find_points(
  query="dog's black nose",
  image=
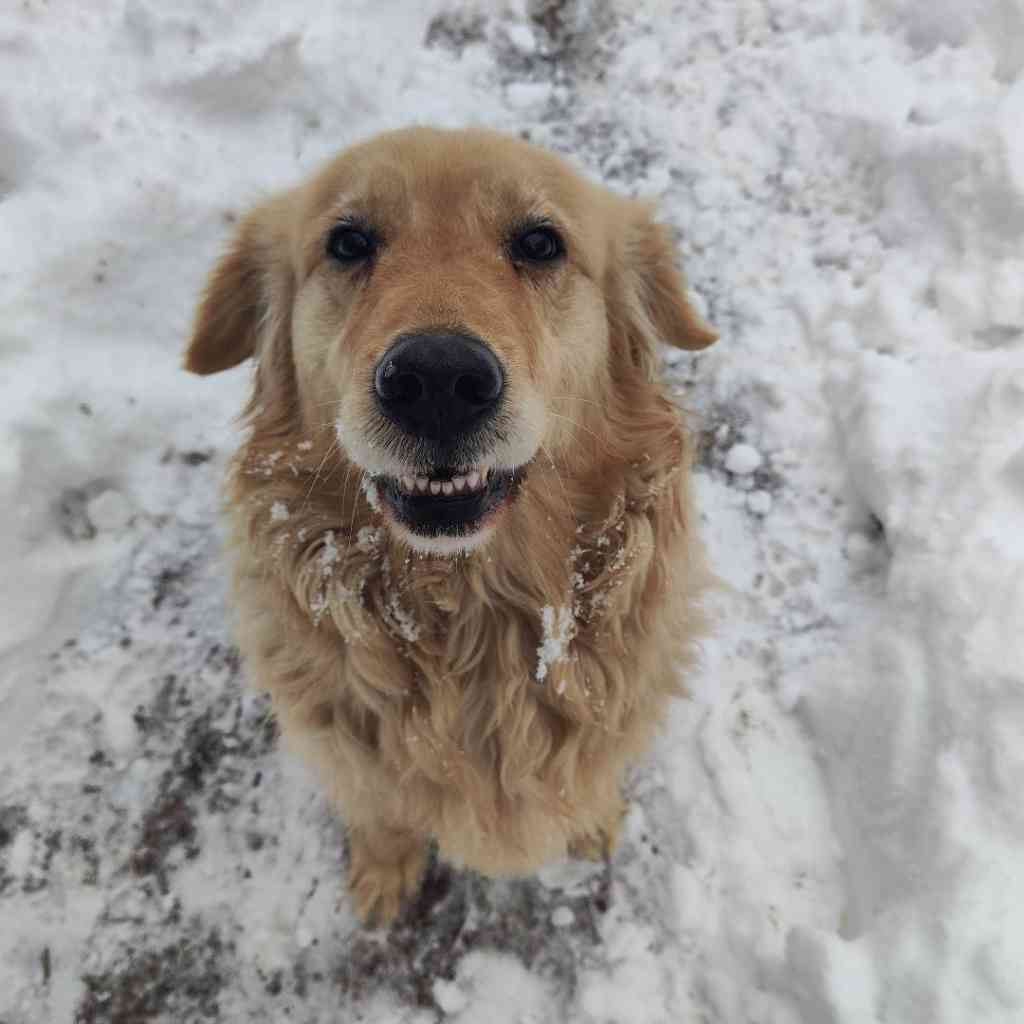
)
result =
(439, 386)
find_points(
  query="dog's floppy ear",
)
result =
(648, 300)
(244, 296)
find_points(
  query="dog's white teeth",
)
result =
(473, 480)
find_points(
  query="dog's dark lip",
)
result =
(449, 515)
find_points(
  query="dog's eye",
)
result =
(349, 245)
(538, 245)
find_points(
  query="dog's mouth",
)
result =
(448, 502)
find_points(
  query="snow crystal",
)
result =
(402, 619)
(265, 465)
(369, 538)
(759, 502)
(19, 856)
(372, 493)
(449, 996)
(527, 95)
(742, 459)
(522, 38)
(318, 605)
(328, 556)
(559, 627)
(563, 917)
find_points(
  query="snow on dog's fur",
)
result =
(419, 672)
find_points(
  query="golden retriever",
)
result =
(466, 560)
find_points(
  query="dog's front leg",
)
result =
(385, 868)
(599, 842)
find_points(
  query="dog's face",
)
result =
(449, 303)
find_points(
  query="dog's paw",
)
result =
(600, 843)
(595, 846)
(385, 870)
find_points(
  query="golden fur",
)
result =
(415, 679)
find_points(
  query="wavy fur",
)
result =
(428, 690)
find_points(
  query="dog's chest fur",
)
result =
(490, 700)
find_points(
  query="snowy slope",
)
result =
(830, 832)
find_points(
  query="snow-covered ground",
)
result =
(832, 830)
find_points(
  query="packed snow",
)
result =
(830, 830)
(558, 627)
(742, 459)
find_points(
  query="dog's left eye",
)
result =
(538, 245)
(349, 245)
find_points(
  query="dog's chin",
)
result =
(442, 546)
(447, 512)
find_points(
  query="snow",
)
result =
(369, 489)
(449, 997)
(328, 555)
(521, 36)
(759, 502)
(558, 627)
(830, 829)
(509, 992)
(742, 459)
(563, 917)
(109, 510)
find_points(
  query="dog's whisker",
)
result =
(579, 398)
(352, 520)
(575, 423)
(335, 444)
(558, 477)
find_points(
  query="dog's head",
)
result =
(448, 304)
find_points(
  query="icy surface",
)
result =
(830, 831)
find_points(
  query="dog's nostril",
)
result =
(477, 389)
(407, 387)
(392, 385)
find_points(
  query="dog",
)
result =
(466, 558)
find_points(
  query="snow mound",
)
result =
(829, 831)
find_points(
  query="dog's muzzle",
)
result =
(444, 393)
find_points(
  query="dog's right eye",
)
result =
(540, 243)
(350, 245)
